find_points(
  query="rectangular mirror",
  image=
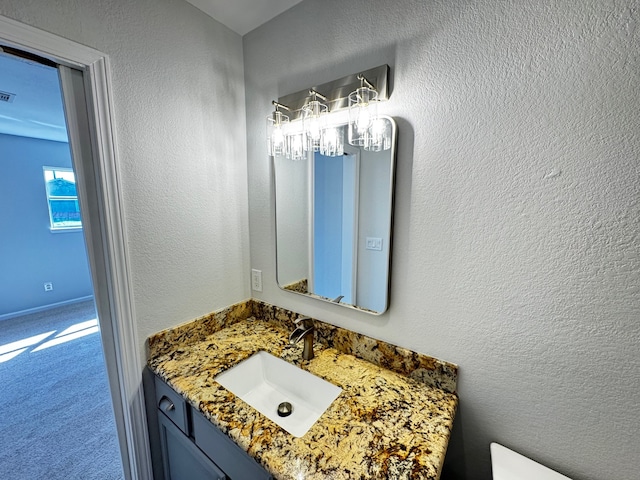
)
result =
(333, 225)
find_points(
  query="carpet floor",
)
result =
(57, 420)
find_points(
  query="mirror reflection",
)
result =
(333, 224)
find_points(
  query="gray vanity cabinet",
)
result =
(192, 448)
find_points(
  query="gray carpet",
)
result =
(56, 418)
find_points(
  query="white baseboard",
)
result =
(6, 316)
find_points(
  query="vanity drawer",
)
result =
(172, 405)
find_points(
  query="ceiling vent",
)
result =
(7, 97)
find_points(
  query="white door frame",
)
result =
(104, 235)
(354, 152)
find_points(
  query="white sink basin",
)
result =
(265, 381)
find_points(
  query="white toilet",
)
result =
(509, 465)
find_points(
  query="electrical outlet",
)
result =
(256, 280)
(48, 286)
(374, 243)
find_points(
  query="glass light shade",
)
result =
(313, 122)
(296, 146)
(363, 109)
(332, 142)
(378, 136)
(276, 136)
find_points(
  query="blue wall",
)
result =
(30, 254)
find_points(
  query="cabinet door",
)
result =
(181, 458)
(237, 464)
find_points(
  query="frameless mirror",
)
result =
(333, 225)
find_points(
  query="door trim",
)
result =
(105, 237)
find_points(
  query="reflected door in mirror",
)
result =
(335, 227)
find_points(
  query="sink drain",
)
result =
(285, 409)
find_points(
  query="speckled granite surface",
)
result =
(301, 286)
(424, 368)
(389, 421)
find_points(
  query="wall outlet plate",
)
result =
(256, 280)
(374, 243)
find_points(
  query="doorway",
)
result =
(85, 79)
(56, 398)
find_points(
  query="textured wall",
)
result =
(179, 114)
(30, 254)
(516, 248)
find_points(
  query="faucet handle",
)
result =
(305, 322)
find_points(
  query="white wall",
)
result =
(516, 222)
(179, 114)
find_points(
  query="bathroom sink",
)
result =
(266, 382)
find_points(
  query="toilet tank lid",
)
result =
(509, 465)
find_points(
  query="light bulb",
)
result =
(313, 120)
(363, 120)
(278, 141)
(314, 128)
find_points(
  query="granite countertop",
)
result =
(384, 424)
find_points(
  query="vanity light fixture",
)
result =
(276, 135)
(314, 120)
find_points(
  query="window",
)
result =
(64, 211)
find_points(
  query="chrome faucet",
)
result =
(304, 329)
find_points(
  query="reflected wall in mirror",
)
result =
(333, 225)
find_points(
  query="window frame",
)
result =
(53, 227)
